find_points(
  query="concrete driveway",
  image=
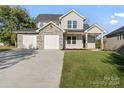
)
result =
(43, 69)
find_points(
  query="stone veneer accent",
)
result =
(49, 30)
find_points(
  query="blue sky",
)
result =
(109, 17)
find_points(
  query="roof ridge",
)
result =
(50, 14)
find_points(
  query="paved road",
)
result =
(41, 70)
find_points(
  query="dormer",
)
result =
(72, 20)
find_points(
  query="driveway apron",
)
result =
(43, 70)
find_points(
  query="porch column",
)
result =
(86, 45)
(102, 44)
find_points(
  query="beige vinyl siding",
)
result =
(112, 43)
(78, 45)
(95, 30)
(74, 17)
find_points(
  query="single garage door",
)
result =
(30, 41)
(51, 41)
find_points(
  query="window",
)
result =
(74, 40)
(69, 24)
(71, 40)
(74, 24)
(68, 40)
(120, 36)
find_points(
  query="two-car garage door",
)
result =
(51, 41)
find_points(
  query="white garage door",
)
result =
(51, 42)
(30, 41)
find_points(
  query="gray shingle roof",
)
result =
(27, 30)
(117, 31)
(47, 18)
(33, 30)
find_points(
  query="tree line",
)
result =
(13, 18)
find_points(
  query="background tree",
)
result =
(13, 18)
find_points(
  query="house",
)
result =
(115, 40)
(60, 31)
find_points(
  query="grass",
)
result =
(6, 48)
(92, 69)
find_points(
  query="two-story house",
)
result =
(60, 31)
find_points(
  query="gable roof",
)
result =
(47, 18)
(48, 24)
(96, 25)
(117, 31)
(70, 12)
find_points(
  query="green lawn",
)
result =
(92, 69)
(6, 48)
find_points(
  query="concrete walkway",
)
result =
(41, 70)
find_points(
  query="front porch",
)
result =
(81, 40)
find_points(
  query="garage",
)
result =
(30, 41)
(51, 41)
(49, 36)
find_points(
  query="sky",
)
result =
(109, 17)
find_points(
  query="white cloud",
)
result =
(113, 21)
(112, 16)
(119, 14)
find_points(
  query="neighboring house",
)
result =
(60, 31)
(115, 40)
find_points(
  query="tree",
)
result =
(13, 18)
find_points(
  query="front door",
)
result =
(84, 41)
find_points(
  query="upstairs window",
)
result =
(69, 24)
(74, 24)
